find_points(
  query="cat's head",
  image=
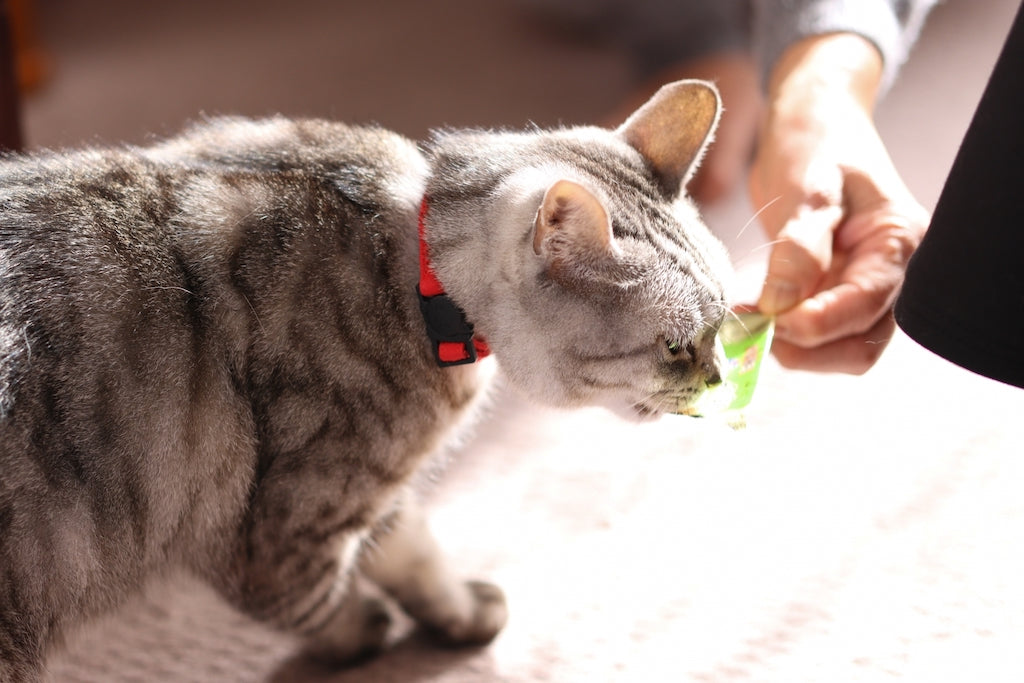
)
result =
(598, 283)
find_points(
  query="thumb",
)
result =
(800, 257)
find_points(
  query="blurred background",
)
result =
(121, 70)
(859, 529)
(109, 71)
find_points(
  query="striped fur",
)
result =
(212, 359)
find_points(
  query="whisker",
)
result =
(254, 313)
(644, 404)
(766, 245)
(723, 308)
(743, 325)
(751, 252)
(662, 401)
(756, 214)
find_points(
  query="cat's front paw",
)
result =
(486, 618)
(359, 630)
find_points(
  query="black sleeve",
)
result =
(963, 296)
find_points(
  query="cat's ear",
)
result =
(672, 129)
(571, 229)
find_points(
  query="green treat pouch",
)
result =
(744, 340)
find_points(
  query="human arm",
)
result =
(842, 222)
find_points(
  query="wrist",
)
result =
(843, 67)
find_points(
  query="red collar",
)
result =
(447, 327)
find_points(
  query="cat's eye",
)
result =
(676, 347)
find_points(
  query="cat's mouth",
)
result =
(674, 402)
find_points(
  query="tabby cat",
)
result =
(230, 352)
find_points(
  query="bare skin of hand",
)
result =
(842, 222)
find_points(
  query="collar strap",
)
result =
(447, 327)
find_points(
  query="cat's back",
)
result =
(133, 281)
(139, 289)
(160, 309)
(100, 245)
(369, 165)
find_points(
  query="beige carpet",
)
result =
(860, 529)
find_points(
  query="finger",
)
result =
(844, 310)
(799, 259)
(876, 203)
(863, 294)
(894, 230)
(853, 355)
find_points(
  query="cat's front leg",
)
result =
(407, 562)
(357, 627)
(294, 568)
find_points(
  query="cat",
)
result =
(229, 353)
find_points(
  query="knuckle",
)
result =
(819, 199)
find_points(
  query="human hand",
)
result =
(842, 221)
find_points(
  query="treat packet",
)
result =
(744, 341)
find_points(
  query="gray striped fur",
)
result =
(212, 359)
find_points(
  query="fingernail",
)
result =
(778, 296)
